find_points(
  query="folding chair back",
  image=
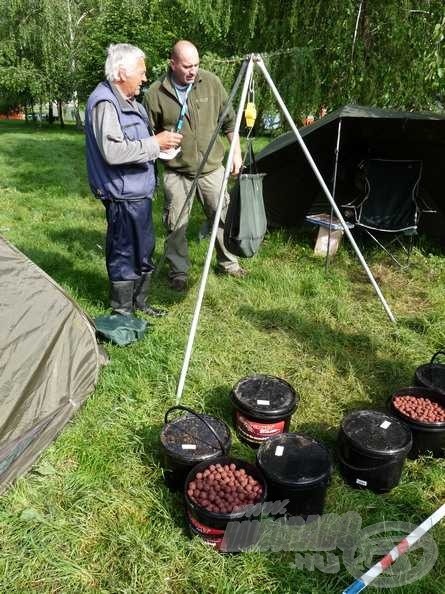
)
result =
(391, 190)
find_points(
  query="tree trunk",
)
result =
(79, 123)
(59, 109)
(72, 29)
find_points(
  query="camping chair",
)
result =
(390, 204)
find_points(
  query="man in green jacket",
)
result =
(190, 100)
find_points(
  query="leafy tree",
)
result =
(388, 53)
(38, 51)
(20, 79)
(150, 25)
(380, 52)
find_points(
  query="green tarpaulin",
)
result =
(291, 190)
(49, 361)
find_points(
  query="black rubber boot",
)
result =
(141, 290)
(121, 297)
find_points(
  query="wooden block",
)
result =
(321, 246)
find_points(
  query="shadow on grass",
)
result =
(29, 127)
(218, 403)
(91, 285)
(148, 442)
(321, 431)
(347, 351)
(148, 447)
(84, 245)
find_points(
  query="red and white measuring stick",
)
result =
(403, 546)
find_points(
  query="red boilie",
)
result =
(420, 408)
(224, 488)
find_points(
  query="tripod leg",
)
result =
(318, 175)
(202, 286)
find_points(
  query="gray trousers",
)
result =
(176, 189)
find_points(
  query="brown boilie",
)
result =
(224, 488)
(420, 408)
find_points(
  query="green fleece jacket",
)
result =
(206, 102)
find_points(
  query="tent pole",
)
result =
(217, 218)
(192, 190)
(294, 128)
(334, 188)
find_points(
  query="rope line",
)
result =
(236, 59)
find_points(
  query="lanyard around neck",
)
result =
(183, 111)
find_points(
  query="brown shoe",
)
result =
(237, 272)
(178, 283)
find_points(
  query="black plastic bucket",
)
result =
(263, 406)
(428, 437)
(211, 525)
(432, 374)
(188, 440)
(296, 467)
(371, 450)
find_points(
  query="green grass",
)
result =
(94, 516)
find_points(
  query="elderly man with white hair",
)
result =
(121, 150)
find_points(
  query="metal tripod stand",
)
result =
(247, 71)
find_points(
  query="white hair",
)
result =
(121, 55)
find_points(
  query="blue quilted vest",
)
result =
(119, 182)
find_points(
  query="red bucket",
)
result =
(212, 502)
(263, 407)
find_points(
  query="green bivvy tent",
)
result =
(292, 191)
(49, 361)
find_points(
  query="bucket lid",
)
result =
(374, 432)
(295, 460)
(264, 397)
(189, 439)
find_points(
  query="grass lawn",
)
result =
(94, 516)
